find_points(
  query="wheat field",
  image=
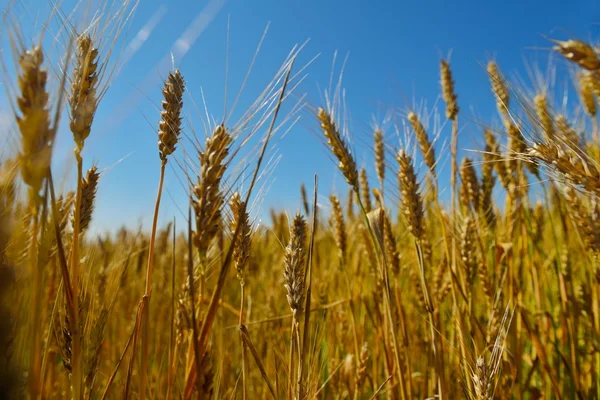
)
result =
(387, 289)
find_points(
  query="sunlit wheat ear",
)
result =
(94, 346)
(468, 249)
(350, 204)
(391, 248)
(84, 84)
(362, 368)
(499, 88)
(241, 252)
(365, 192)
(571, 168)
(293, 261)
(587, 223)
(448, 93)
(207, 193)
(579, 52)
(540, 102)
(469, 193)
(304, 199)
(517, 146)
(339, 148)
(379, 155)
(412, 203)
(488, 181)
(339, 226)
(567, 134)
(423, 140)
(485, 374)
(378, 198)
(586, 93)
(88, 196)
(376, 223)
(481, 383)
(34, 121)
(497, 159)
(170, 122)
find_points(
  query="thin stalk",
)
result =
(190, 274)
(34, 372)
(387, 297)
(76, 356)
(146, 299)
(595, 134)
(37, 296)
(244, 372)
(435, 342)
(380, 388)
(456, 286)
(291, 360)
(172, 325)
(114, 373)
(248, 342)
(308, 286)
(454, 151)
(46, 350)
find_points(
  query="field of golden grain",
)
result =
(490, 295)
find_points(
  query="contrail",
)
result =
(141, 37)
(177, 52)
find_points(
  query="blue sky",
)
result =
(393, 51)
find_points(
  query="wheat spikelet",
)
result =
(574, 169)
(448, 93)
(391, 249)
(379, 203)
(89, 186)
(207, 192)
(304, 199)
(412, 204)
(468, 249)
(497, 160)
(84, 84)
(538, 221)
(586, 93)
(170, 122)
(376, 223)
(499, 88)
(469, 193)
(64, 339)
(241, 252)
(339, 226)
(482, 385)
(94, 346)
(361, 370)
(439, 276)
(339, 148)
(579, 52)
(543, 114)
(423, 139)
(350, 204)
(34, 121)
(293, 262)
(379, 155)
(567, 134)
(488, 180)
(587, 223)
(365, 192)
(517, 147)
